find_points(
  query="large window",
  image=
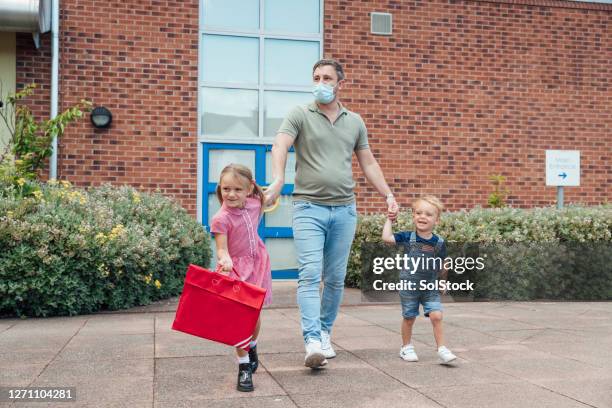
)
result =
(255, 64)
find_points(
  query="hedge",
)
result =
(67, 251)
(541, 253)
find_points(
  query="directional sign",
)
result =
(563, 167)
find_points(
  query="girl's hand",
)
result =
(225, 264)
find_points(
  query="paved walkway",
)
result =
(511, 355)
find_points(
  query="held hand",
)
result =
(393, 208)
(272, 193)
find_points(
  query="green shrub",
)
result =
(541, 253)
(67, 251)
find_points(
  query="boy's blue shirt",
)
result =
(403, 237)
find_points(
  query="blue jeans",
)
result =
(323, 236)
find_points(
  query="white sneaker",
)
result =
(314, 355)
(326, 347)
(407, 353)
(446, 356)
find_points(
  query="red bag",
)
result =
(218, 308)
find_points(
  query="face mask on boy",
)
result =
(323, 93)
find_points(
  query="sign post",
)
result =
(562, 169)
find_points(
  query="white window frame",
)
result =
(261, 87)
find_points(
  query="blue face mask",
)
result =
(323, 93)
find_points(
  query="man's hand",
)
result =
(273, 192)
(393, 208)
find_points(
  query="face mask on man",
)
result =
(323, 93)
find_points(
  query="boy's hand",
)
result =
(393, 208)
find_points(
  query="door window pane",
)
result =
(230, 113)
(218, 159)
(282, 216)
(282, 253)
(276, 106)
(295, 16)
(213, 206)
(232, 14)
(289, 62)
(289, 169)
(227, 58)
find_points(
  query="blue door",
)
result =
(275, 227)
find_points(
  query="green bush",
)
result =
(541, 253)
(67, 251)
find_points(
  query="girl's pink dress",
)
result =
(248, 252)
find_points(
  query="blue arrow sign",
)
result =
(563, 175)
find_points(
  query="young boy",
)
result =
(422, 243)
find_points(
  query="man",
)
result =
(324, 134)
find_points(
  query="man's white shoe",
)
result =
(407, 353)
(314, 355)
(446, 356)
(326, 347)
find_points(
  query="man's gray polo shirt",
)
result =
(323, 170)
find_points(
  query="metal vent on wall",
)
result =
(381, 23)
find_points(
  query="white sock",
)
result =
(253, 343)
(244, 360)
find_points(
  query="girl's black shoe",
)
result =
(245, 378)
(254, 359)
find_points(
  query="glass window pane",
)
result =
(232, 14)
(226, 58)
(213, 206)
(289, 170)
(282, 253)
(230, 113)
(282, 215)
(289, 62)
(276, 106)
(218, 159)
(295, 16)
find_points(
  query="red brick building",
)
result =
(458, 91)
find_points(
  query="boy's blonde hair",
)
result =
(430, 199)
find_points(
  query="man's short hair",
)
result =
(330, 62)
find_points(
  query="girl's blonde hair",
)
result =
(433, 200)
(238, 170)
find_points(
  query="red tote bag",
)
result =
(218, 308)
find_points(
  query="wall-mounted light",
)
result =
(101, 117)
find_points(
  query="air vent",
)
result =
(381, 23)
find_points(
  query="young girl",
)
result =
(240, 252)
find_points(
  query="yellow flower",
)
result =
(116, 231)
(148, 278)
(21, 181)
(157, 284)
(38, 194)
(52, 182)
(100, 237)
(18, 162)
(136, 198)
(65, 183)
(9, 214)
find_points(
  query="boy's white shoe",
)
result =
(407, 353)
(314, 355)
(326, 347)
(446, 356)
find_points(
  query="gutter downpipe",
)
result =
(54, 80)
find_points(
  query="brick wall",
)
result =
(466, 89)
(460, 91)
(139, 59)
